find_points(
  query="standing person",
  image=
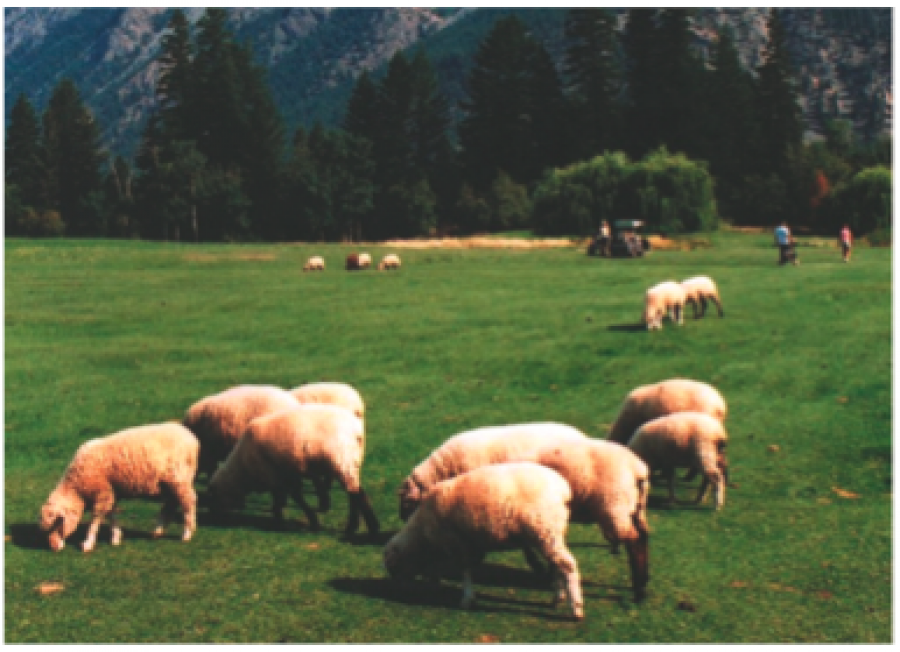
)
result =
(846, 242)
(785, 243)
(603, 237)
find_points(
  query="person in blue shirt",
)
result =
(785, 243)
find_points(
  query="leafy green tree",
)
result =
(362, 114)
(510, 203)
(864, 202)
(71, 143)
(594, 78)
(472, 214)
(24, 157)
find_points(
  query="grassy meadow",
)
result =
(105, 335)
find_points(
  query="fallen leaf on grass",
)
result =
(737, 584)
(825, 595)
(786, 589)
(488, 638)
(49, 588)
(312, 546)
(842, 399)
(774, 448)
(843, 493)
(823, 501)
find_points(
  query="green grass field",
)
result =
(101, 336)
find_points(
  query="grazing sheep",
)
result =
(390, 261)
(354, 262)
(278, 451)
(675, 395)
(660, 300)
(218, 421)
(314, 264)
(476, 448)
(491, 508)
(698, 290)
(339, 394)
(685, 439)
(365, 261)
(609, 483)
(153, 460)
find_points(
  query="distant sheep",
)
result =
(667, 397)
(153, 460)
(697, 291)
(609, 483)
(314, 264)
(219, 420)
(685, 440)
(278, 451)
(667, 298)
(490, 508)
(365, 261)
(355, 262)
(390, 261)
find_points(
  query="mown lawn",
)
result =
(101, 336)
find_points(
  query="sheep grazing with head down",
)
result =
(365, 260)
(314, 264)
(667, 397)
(153, 460)
(609, 483)
(685, 440)
(697, 291)
(667, 298)
(490, 508)
(219, 420)
(390, 261)
(276, 453)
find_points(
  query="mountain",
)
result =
(313, 55)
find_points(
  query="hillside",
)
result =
(313, 55)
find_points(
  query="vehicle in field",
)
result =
(625, 240)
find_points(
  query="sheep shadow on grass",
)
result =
(627, 328)
(424, 593)
(31, 537)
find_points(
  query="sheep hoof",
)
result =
(578, 613)
(187, 535)
(86, 547)
(158, 532)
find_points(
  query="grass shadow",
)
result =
(627, 328)
(438, 595)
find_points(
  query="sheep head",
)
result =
(404, 555)
(59, 519)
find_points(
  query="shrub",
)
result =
(864, 202)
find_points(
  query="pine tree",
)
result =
(644, 122)
(73, 160)
(504, 116)
(594, 79)
(24, 168)
(781, 124)
(362, 113)
(173, 89)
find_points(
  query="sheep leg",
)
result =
(279, 501)
(534, 562)
(359, 504)
(115, 527)
(297, 495)
(670, 477)
(679, 313)
(169, 506)
(468, 598)
(102, 506)
(322, 484)
(690, 475)
(186, 498)
(566, 569)
(718, 303)
(701, 494)
(702, 306)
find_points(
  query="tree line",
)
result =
(537, 145)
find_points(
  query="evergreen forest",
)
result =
(632, 124)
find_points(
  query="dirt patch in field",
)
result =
(477, 242)
(213, 258)
(659, 243)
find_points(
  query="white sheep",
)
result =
(152, 460)
(685, 440)
(490, 508)
(659, 399)
(365, 260)
(219, 420)
(277, 451)
(339, 394)
(609, 483)
(314, 264)
(390, 261)
(666, 298)
(476, 448)
(697, 291)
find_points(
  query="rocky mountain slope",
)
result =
(843, 56)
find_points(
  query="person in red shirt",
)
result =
(846, 242)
